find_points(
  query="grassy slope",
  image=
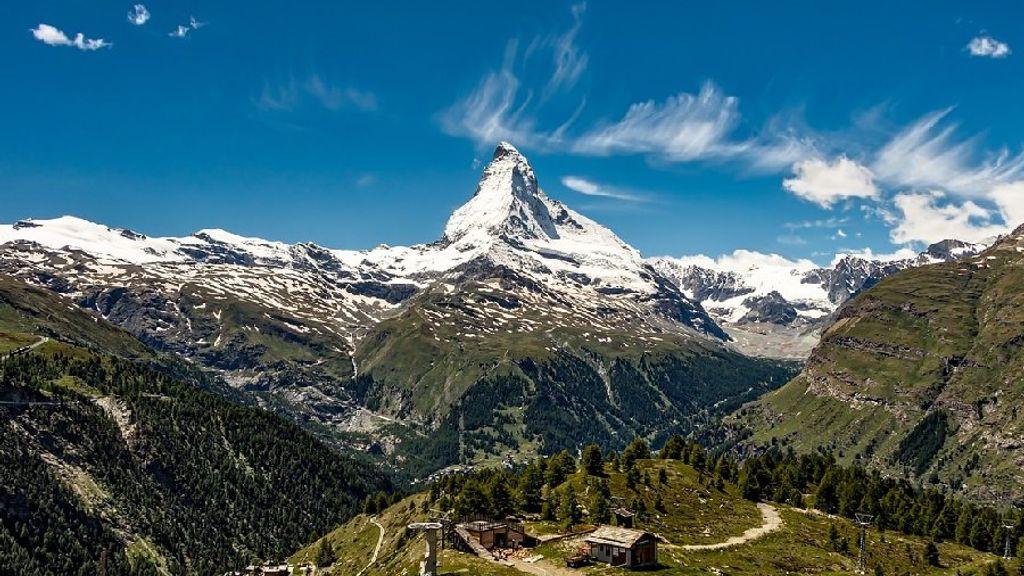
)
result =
(522, 381)
(693, 513)
(943, 337)
(801, 546)
(27, 313)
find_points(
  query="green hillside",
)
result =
(689, 507)
(497, 375)
(920, 375)
(113, 465)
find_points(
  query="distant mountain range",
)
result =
(526, 326)
(776, 307)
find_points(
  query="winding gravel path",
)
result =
(376, 551)
(770, 522)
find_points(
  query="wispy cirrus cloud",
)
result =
(138, 15)
(569, 60)
(53, 36)
(928, 154)
(827, 223)
(987, 47)
(590, 188)
(684, 127)
(294, 93)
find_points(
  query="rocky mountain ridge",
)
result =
(777, 307)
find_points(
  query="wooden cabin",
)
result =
(623, 547)
(496, 534)
(624, 517)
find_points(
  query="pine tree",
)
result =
(324, 554)
(530, 486)
(600, 504)
(591, 460)
(632, 477)
(662, 476)
(673, 448)
(500, 498)
(559, 467)
(569, 508)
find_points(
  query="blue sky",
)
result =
(685, 127)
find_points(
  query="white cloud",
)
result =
(685, 127)
(138, 15)
(1009, 198)
(53, 36)
(336, 97)
(927, 217)
(869, 254)
(818, 223)
(290, 95)
(366, 180)
(791, 240)
(925, 155)
(825, 183)
(183, 30)
(493, 112)
(569, 60)
(987, 46)
(590, 188)
(839, 234)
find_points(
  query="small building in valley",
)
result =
(623, 517)
(625, 547)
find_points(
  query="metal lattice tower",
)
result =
(1008, 550)
(863, 520)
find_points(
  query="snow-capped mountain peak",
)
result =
(507, 201)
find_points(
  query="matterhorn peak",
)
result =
(507, 201)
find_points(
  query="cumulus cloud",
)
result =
(869, 254)
(591, 188)
(988, 47)
(928, 155)
(1009, 198)
(53, 36)
(931, 217)
(138, 15)
(826, 183)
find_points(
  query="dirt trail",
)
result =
(770, 522)
(42, 340)
(376, 551)
(540, 568)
